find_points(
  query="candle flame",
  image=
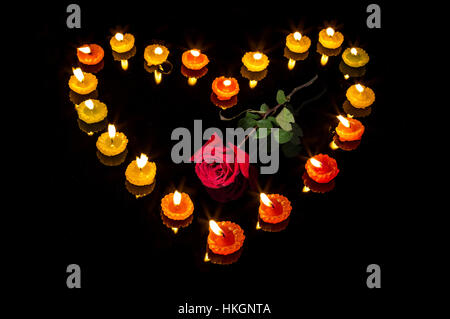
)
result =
(333, 145)
(215, 228)
(315, 162)
(119, 36)
(206, 257)
(141, 161)
(324, 59)
(346, 76)
(330, 31)
(86, 49)
(305, 189)
(158, 50)
(177, 198)
(175, 230)
(89, 104)
(353, 51)
(192, 81)
(111, 131)
(258, 226)
(195, 52)
(158, 76)
(359, 88)
(124, 64)
(227, 82)
(252, 83)
(343, 120)
(257, 56)
(78, 74)
(297, 36)
(291, 64)
(266, 201)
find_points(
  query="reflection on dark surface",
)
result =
(253, 77)
(91, 128)
(315, 187)
(124, 55)
(140, 191)
(115, 160)
(176, 224)
(222, 259)
(224, 104)
(350, 71)
(345, 145)
(77, 98)
(328, 52)
(356, 112)
(272, 228)
(95, 68)
(193, 75)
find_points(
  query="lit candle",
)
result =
(255, 61)
(298, 43)
(112, 143)
(177, 206)
(122, 43)
(330, 38)
(225, 238)
(360, 96)
(91, 111)
(194, 59)
(90, 54)
(155, 54)
(355, 57)
(158, 76)
(349, 129)
(321, 168)
(324, 59)
(82, 82)
(225, 88)
(141, 172)
(274, 208)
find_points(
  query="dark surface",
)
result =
(120, 242)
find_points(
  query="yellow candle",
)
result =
(91, 111)
(330, 39)
(121, 43)
(112, 143)
(355, 57)
(360, 96)
(155, 54)
(82, 82)
(298, 43)
(141, 172)
(255, 61)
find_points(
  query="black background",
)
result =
(126, 253)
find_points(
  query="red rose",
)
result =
(217, 165)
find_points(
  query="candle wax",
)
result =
(124, 45)
(360, 99)
(88, 85)
(141, 176)
(114, 146)
(223, 91)
(331, 42)
(327, 170)
(228, 244)
(177, 212)
(357, 60)
(253, 64)
(92, 58)
(351, 133)
(158, 57)
(94, 115)
(298, 46)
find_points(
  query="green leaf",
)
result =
(283, 136)
(272, 119)
(262, 133)
(284, 119)
(264, 107)
(264, 123)
(281, 97)
(246, 122)
(252, 116)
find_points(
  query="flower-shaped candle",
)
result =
(91, 111)
(349, 129)
(90, 54)
(177, 206)
(274, 208)
(156, 54)
(141, 172)
(122, 43)
(298, 43)
(225, 88)
(321, 168)
(112, 143)
(225, 238)
(255, 61)
(82, 82)
(355, 57)
(330, 39)
(194, 59)
(360, 96)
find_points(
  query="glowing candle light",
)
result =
(298, 43)
(360, 96)
(355, 57)
(349, 129)
(274, 208)
(141, 172)
(225, 238)
(194, 59)
(82, 82)
(158, 76)
(252, 83)
(177, 206)
(112, 143)
(225, 88)
(255, 61)
(330, 38)
(112, 132)
(291, 64)
(91, 111)
(122, 43)
(155, 54)
(321, 168)
(192, 81)
(124, 64)
(324, 59)
(90, 54)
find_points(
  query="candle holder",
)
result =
(90, 129)
(114, 160)
(316, 187)
(356, 112)
(140, 191)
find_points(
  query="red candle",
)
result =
(194, 59)
(90, 54)
(274, 208)
(321, 168)
(177, 206)
(349, 129)
(225, 238)
(225, 88)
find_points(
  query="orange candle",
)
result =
(349, 129)
(321, 168)
(225, 238)
(360, 96)
(177, 206)
(194, 59)
(90, 54)
(225, 88)
(274, 208)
